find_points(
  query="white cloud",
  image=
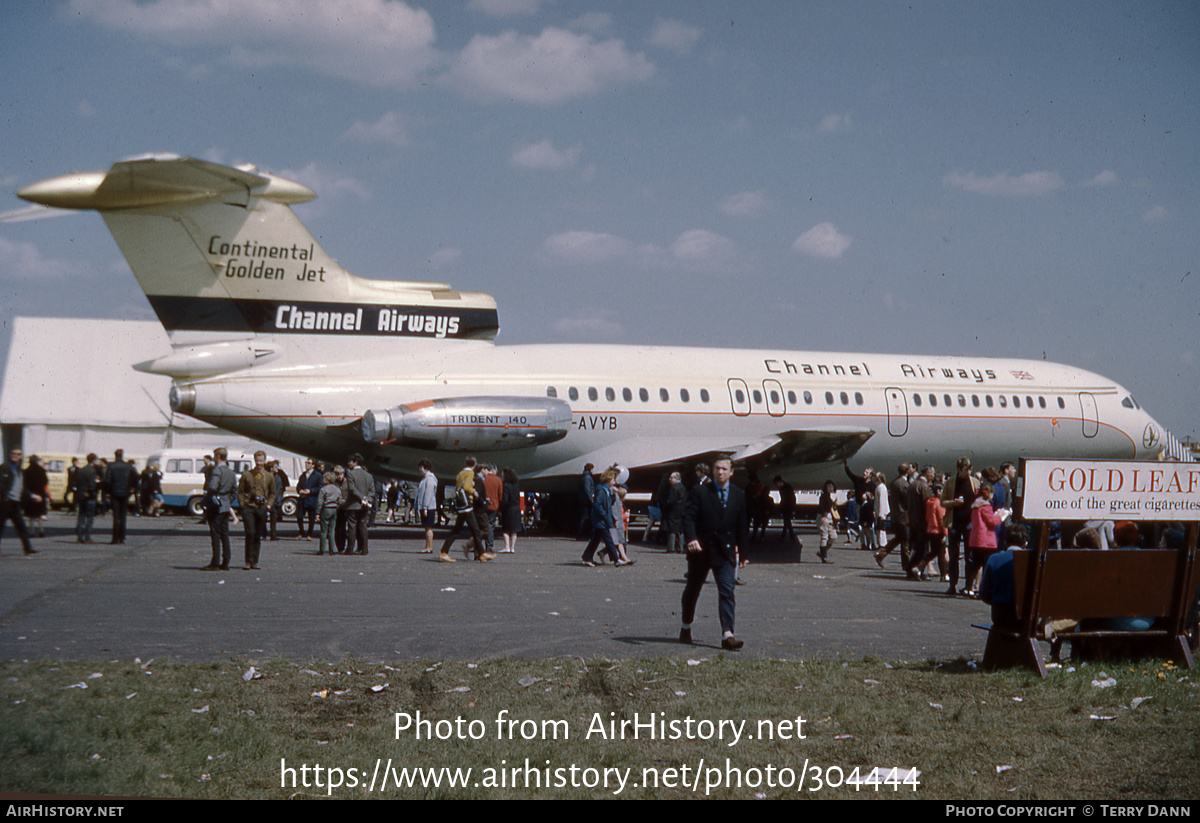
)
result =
(601, 325)
(555, 66)
(1155, 214)
(586, 247)
(24, 262)
(1030, 184)
(326, 183)
(745, 204)
(695, 249)
(823, 240)
(674, 35)
(702, 246)
(834, 122)
(390, 129)
(542, 155)
(444, 258)
(382, 43)
(1104, 178)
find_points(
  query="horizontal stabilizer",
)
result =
(132, 184)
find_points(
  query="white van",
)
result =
(183, 478)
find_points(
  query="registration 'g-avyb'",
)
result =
(274, 340)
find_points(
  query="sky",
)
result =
(1010, 179)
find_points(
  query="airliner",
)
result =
(272, 339)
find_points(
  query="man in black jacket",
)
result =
(120, 481)
(12, 490)
(86, 490)
(716, 526)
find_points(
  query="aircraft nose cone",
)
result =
(1151, 436)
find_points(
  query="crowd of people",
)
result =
(944, 527)
(93, 489)
(336, 503)
(938, 520)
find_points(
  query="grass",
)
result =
(168, 729)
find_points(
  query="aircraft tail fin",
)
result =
(218, 250)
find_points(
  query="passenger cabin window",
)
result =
(933, 400)
(988, 399)
(643, 395)
(808, 397)
(1042, 401)
(551, 391)
(757, 396)
(593, 394)
(741, 398)
(962, 401)
(845, 399)
(916, 400)
(858, 398)
(1061, 404)
(975, 400)
(664, 395)
(627, 394)
(684, 396)
(792, 397)
(609, 394)
(829, 398)
(704, 395)
(573, 393)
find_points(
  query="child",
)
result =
(866, 522)
(328, 500)
(935, 528)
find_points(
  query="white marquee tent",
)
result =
(69, 387)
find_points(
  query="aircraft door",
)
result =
(897, 406)
(739, 396)
(776, 405)
(1091, 416)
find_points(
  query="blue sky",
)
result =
(1003, 179)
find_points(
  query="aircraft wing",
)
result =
(803, 446)
(793, 447)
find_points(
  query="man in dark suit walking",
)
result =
(716, 526)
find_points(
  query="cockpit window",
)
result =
(1127, 402)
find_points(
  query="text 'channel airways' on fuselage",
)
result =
(272, 339)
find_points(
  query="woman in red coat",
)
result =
(982, 541)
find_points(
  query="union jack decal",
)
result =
(1021, 375)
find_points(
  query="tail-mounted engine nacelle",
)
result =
(470, 423)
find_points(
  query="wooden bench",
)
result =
(1089, 585)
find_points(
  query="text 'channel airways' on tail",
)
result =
(272, 339)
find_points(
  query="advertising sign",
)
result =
(1109, 490)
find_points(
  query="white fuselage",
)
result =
(645, 406)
